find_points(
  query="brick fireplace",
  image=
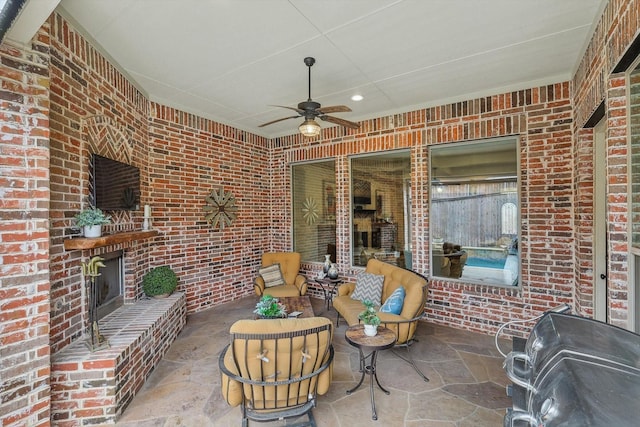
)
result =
(94, 387)
(110, 284)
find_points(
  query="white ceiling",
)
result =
(230, 60)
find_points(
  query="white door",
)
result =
(600, 222)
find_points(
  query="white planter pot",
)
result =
(92, 230)
(370, 330)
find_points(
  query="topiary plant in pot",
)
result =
(160, 281)
(370, 318)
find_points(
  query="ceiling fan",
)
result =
(310, 109)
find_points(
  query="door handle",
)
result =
(603, 276)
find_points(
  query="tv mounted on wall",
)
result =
(116, 185)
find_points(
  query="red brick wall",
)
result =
(542, 119)
(188, 158)
(85, 86)
(24, 233)
(594, 84)
(584, 189)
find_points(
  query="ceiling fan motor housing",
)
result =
(309, 107)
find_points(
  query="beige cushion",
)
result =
(255, 367)
(271, 275)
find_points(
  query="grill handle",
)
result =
(512, 416)
(509, 368)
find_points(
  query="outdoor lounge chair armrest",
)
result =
(301, 284)
(258, 285)
(346, 289)
(397, 328)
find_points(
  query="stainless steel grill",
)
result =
(574, 371)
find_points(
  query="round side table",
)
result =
(329, 288)
(385, 339)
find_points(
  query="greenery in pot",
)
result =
(369, 316)
(92, 216)
(269, 306)
(159, 281)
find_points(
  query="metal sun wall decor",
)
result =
(220, 209)
(310, 211)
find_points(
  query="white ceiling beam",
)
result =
(33, 15)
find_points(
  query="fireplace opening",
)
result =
(110, 283)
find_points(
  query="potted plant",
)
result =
(270, 308)
(160, 282)
(92, 219)
(369, 316)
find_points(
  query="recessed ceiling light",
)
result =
(357, 98)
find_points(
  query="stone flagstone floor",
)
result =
(466, 387)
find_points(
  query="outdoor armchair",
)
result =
(294, 284)
(274, 369)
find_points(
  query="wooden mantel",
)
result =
(111, 239)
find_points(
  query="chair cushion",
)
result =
(289, 264)
(368, 286)
(271, 275)
(394, 303)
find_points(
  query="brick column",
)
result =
(24, 233)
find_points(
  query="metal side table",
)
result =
(329, 287)
(385, 339)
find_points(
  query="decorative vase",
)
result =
(370, 330)
(93, 230)
(333, 272)
(327, 264)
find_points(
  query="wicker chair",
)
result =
(274, 369)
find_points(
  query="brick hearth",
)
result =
(94, 388)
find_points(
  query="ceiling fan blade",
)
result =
(290, 108)
(341, 122)
(278, 120)
(334, 109)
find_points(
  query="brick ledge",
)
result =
(89, 388)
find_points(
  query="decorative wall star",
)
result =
(310, 211)
(221, 208)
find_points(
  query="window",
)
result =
(474, 211)
(380, 200)
(314, 210)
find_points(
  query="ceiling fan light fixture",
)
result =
(309, 128)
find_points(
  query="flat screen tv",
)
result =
(116, 185)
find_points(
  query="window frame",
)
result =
(518, 185)
(322, 214)
(406, 217)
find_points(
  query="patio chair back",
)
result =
(275, 369)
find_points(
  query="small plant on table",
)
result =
(269, 307)
(369, 316)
